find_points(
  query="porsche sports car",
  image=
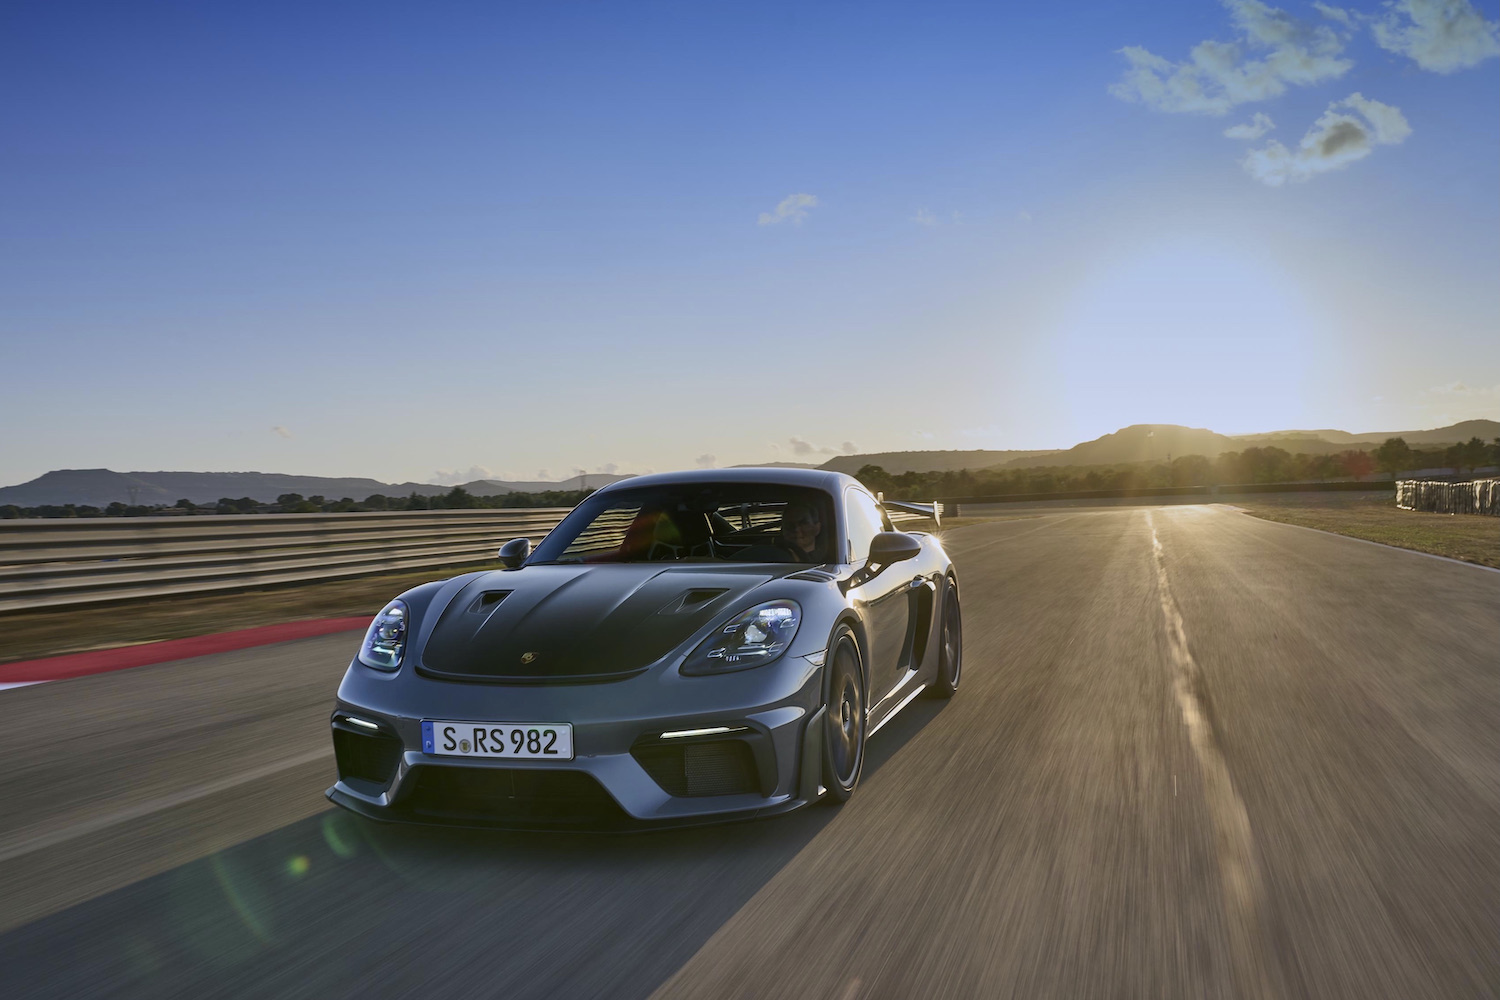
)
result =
(681, 648)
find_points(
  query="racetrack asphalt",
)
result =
(1194, 754)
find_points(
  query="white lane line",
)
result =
(1236, 847)
(18, 684)
(31, 838)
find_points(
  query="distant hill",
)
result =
(1137, 443)
(1155, 442)
(495, 487)
(1307, 441)
(1484, 430)
(897, 462)
(101, 487)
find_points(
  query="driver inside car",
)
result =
(801, 533)
(798, 540)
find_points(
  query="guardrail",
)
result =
(57, 562)
(1479, 496)
(60, 562)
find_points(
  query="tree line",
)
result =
(457, 498)
(1253, 465)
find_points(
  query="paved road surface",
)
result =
(1195, 755)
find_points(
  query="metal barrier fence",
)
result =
(56, 562)
(59, 562)
(1479, 496)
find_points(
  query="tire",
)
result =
(950, 645)
(844, 718)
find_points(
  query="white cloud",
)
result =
(1337, 139)
(1023, 216)
(1390, 124)
(1258, 125)
(544, 475)
(924, 218)
(281, 431)
(457, 477)
(1220, 75)
(705, 461)
(608, 468)
(1339, 14)
(801, 446)
(1441, 35)
(1461, 389)
(793, 207)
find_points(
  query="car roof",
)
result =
(821, 479)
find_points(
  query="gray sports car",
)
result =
(682, 648)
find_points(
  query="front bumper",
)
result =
(624, 774)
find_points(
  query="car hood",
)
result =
(569, 622)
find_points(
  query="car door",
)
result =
(882, 598)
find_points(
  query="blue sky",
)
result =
(427, 241)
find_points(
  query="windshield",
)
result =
(696, 522)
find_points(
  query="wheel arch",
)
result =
(861, 643)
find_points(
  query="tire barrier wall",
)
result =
(1479, 496)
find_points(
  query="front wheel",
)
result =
(844, 719)
(950, 646)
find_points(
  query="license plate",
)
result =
(519, 740)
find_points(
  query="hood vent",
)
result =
(812, 576)
(486, 601)
(694, 600)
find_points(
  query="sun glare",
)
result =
(1186, 333)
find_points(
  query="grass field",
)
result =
(1375, 517)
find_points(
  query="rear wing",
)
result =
(933, 510)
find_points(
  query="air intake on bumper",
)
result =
(700, 767)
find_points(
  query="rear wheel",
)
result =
(844, 719)
(950, 646)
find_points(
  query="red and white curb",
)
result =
(101, 661)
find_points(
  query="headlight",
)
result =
(756, 637)
(386, 639)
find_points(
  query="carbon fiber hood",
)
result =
(570, 622)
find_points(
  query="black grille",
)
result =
(510, 795)
(370, 757)
(717, 767)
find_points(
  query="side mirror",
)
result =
(514, 552)
(893, 547)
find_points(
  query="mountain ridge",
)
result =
(1136, 443)
(1156, 442)
(101, 487)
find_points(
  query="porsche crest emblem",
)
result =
(527, 657)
